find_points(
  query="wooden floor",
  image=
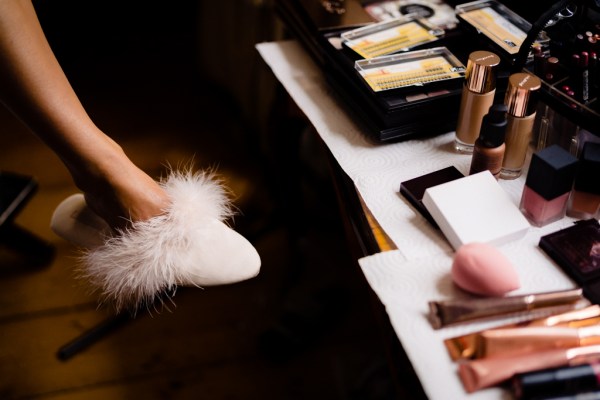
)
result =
(303, 329)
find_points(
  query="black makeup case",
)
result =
(393, 115)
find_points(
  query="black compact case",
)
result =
(414, 189)
(576, 250)
(409, 112)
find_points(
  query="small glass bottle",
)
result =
(477, 98)
(548, 185)
(488, 151)
(584, 202)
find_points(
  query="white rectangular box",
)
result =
(475, 209)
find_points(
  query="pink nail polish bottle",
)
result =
(549, 181)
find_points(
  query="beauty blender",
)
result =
(482, 269)
(188, 245)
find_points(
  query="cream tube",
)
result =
(513, 341)
(479, 374)
(467, 346)
(448, 312)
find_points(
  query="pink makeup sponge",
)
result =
(481, 269)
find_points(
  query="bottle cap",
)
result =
(551, 172)
(480, 73)
(521, 94)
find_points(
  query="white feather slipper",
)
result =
(189, 245)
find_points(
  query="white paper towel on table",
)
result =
(406, 286)
(376, 169)
(407, 278)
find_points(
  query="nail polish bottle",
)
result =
(477, 98)
(489, 147)
(521, 100)
(584, 202)
(548, 185)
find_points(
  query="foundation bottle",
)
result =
(477, 98)
(584, 202)
(488, 150)
(548, 185)
(521, 100)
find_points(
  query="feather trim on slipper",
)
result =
(189, 245)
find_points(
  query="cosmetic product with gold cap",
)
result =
(521, 100)
(477, 98)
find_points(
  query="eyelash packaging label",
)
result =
(475, 209)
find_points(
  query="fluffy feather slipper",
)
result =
(189, 245)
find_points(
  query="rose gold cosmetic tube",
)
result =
(584, 317)
(514, 341)
(479, 374)
(448, 312)
(477, 98)
(468, 346)
(521, 100)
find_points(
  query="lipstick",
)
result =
(557, 381)
(585, 76)
(477, 98)
(521, 101)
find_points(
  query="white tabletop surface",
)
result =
(406, 279)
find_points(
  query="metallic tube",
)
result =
(515, 341)
(479, 374)
(468, 346)
(447, 312)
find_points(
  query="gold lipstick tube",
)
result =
(448, 312)
(521, 101)
(477, 98)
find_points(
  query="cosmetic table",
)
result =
(405, 260)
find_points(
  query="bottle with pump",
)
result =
(488, 151)
(477, 98)
(521, 100)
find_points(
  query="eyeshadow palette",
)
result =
(576, 250)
